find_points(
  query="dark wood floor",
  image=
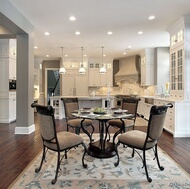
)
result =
(17, 151)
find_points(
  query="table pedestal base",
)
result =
(103, 149)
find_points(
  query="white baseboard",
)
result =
(25, 130)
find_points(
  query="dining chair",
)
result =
(130, 104)
(53, 140)
(143, 141)
(70, 106)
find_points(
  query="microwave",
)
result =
(12, 84)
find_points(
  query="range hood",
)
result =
(129, 70)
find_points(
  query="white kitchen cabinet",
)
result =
(176, 73)
(74, 84)
(90, 103)
(147, 67)
(12, 68)
(12, 106)
(4, 77)
(179, 59)
(8, 48)
(96, 79)
(8, 108)
(177, 118)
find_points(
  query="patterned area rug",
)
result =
(102, 174)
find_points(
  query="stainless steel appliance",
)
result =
(12, 84)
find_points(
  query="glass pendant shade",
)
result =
(82, 69)
(62, 70)
(102, 70)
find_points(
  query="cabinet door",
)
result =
(176, 73)
(94, 77)
(107, 78)
(12, 68)
(4, 76)
(81, 85)
(68, 85)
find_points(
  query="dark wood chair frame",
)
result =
(49, 111)
(81, 121)
(155, 111)
(122, 129)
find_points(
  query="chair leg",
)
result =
(158, 162)
(117, 154)
(84, 165)
(57, 169)
(37, 170)
(144, 163)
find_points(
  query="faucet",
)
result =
(162, 94)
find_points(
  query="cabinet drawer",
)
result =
(169, 126)
(170, 119)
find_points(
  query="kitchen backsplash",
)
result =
(125, 88)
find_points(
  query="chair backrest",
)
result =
(70, 105)
(46, 121)
(156, 121)
(130, 104)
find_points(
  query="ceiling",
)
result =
(94, 18)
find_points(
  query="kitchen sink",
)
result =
(149, 100)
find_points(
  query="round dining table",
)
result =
(102, 148)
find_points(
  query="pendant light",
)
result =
(102, 69)
(62, 69)
(82, 69)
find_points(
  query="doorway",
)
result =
(52, 84)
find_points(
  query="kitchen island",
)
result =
(84, 101)
(177, 118)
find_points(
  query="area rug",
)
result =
(102, 174)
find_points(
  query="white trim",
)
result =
(25, 130)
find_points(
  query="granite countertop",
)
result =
(163, 99)
(98, 97)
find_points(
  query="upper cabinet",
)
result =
(147, 67)
(74, 84)
(100, 80)
(179, 59)
(8, 54)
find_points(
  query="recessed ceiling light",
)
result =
(104, 55)
(129, 47)
(66, 55)
(72, 18)
(140, 32)
(124, 53)
(85, 55)
(110, 33)
(35, 47)
(77, 33)
(152, 17)
(47, 55)
(46, 33)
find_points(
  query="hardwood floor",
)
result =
(17, 151)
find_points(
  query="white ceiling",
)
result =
(94, 18)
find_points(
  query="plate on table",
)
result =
(85, 112)
(120, 111)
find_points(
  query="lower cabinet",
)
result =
(177, 118)
(8, 108)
